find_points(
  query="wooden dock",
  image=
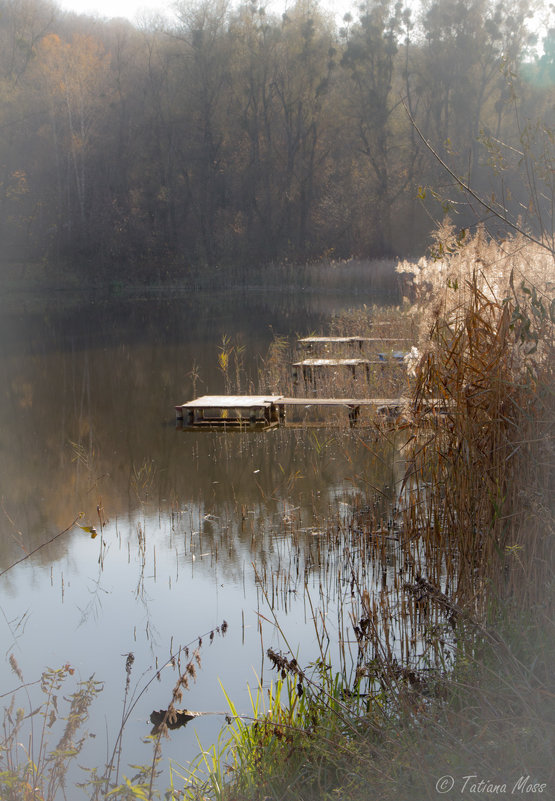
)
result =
(309, 367)
(311, 342)
(260, 412)
(353, 405)
(234, 411)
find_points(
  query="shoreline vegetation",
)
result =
(436, 678)
(320, 275)
(235, 149)
(473, 711)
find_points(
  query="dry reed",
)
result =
(426, 592)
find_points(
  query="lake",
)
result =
(186, 521)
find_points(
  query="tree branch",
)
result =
(467, 188)
(38, 548)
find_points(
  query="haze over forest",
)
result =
(237, 136)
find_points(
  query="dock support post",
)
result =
(274, 413)
(353, 415)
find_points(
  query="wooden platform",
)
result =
(342, 401)
(310, 341)
(310, 366)
(334, 362)
(259, 412)
(234, 411)
(327, 342)
(353, 405)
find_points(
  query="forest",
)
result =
(235, 136)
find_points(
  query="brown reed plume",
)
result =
(487, 353)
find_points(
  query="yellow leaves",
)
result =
(87, 529)
(226, 349)
(75, 69)
(50, 43)
(18, 184)
(223, 361)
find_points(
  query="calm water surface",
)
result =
(87, 421)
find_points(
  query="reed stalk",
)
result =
(440, 586)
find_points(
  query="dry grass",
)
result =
(445, 606)
(487, 349)
(434, 606)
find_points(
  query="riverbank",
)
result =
(474, 523)
(43, 282)
(411, 556)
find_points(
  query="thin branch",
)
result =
(38, 548)
(464, 185)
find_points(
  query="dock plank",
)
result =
(348, 340)
(384, 359)
(231, 402)
(342, 401)
(334, 362)
(259, 412)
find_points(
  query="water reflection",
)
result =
(87, 427)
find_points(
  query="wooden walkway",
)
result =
(353, 405)
(310, 366)
(260, 412)
(310, 342)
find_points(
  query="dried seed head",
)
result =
(15, 667)
(129, 663)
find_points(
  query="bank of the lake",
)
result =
(375, 583)
(87, 432)
(475, 514)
